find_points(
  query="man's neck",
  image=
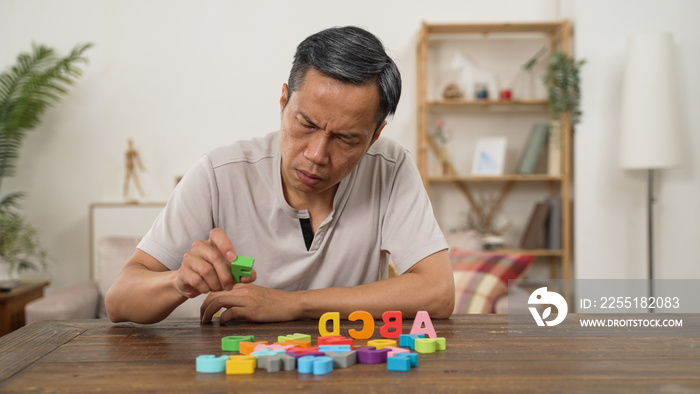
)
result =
(319, 205)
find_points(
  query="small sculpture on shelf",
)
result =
(132, 160)
(452, 92)
(440, 138)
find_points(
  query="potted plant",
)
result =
(562, 81)
(27, 89)
(564, 97)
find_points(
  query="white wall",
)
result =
(182, 77)
(610, 203)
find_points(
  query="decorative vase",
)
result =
(8, 279)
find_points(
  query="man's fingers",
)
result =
(202, 260)
(251, 278)
(215, 301)
(220, 241)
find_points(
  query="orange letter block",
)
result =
(367, 328)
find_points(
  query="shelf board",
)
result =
(486, 28)
(536, 252)
(487, 103)
(497, 178)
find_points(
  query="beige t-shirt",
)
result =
(380, 209)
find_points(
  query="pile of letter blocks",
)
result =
(294, 351)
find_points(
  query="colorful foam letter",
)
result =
(276, 363)
(402, 362)
(409, 340)
(323, 365)
(335, 340)
(381, 343)
(344, 359)
(208, 363)
(245, 347)
(231, 343)
(334, 348)
(335, 318)
(367, 328)
(238, 365)
(242, 266)
(392, 327)
(370, 355)
(423, 325)
(426, 345)
(393, 351)
(294, 337)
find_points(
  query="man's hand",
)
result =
(207, 266)
(250, 302)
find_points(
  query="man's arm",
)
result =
(428, 286)
(145, 291)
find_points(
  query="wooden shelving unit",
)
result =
(558, 35)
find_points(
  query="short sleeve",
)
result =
(410, 231)
(188, 216)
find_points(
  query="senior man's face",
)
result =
(327, 126)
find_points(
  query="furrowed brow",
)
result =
(308, 120)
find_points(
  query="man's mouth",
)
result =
(308, 179)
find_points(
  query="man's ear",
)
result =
(378, 132)
(283, 97)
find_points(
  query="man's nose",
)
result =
(317, 149)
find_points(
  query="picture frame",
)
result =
(489, 156)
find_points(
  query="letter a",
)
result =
(423, 325)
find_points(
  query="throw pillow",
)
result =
(482, 277)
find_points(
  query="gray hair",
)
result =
(351, 55)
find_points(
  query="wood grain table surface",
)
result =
(97, 355)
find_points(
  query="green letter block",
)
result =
(242, 266)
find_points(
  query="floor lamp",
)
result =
(650, 124)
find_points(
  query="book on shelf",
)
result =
(554, 224)
(533, 148)
(554, 148)
(534, 234)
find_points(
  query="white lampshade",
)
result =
(649, 113)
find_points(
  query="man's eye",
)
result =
(344, 140)
(306, 125)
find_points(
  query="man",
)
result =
(320, 205)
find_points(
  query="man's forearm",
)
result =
(142, 296)
(428, 287)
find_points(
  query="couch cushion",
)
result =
(79, 301)
(482, 277)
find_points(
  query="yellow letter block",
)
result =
(335, 317)
(381, 343)
(239, 365)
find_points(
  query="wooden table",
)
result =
(87, 356)
(12, 303)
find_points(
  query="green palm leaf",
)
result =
(27, 90)
(35, 83)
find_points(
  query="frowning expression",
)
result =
(327, 126)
